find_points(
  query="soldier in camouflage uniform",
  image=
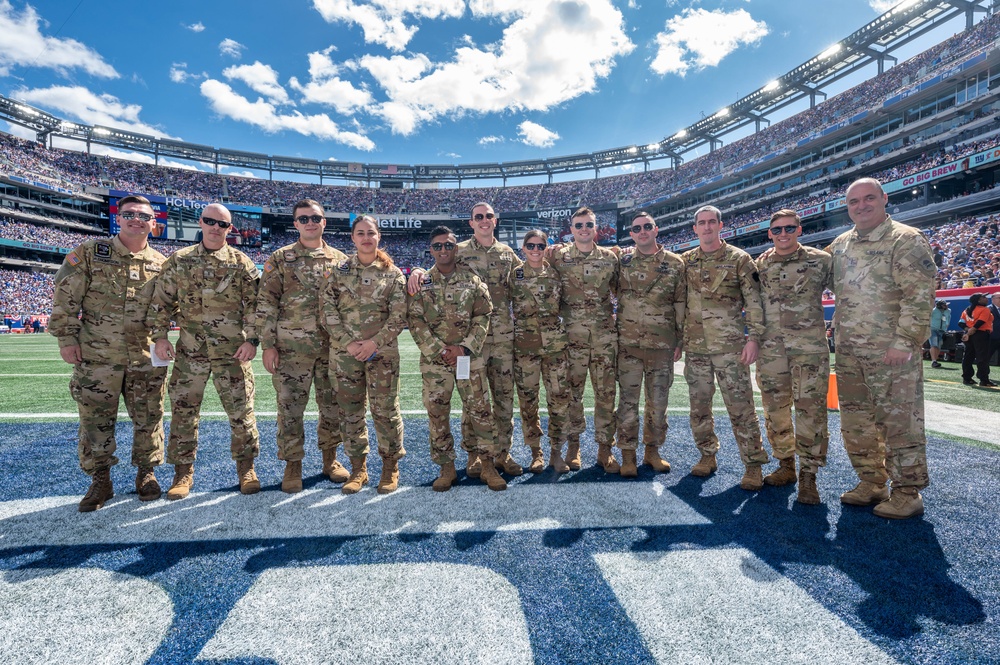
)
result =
(540, 351)
(722, 284)
(111, 281)
(794, 361)
(364, 310)
(296, 348)
(210, 290)
(448, 319)
(651, 298)
(589, 276)
(883, 277)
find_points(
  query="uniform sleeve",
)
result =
(71, 285)
(330, 317)
(913, 272)
(752, 307)
(163, 306)
(250, 280)
(680, 303)
(269, 302)
(616, 276)
(481, 309)
(397, 313)
(827, 264)
(429, 345)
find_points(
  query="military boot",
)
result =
(556, 460)
(389, 480)
(490, 476)
(183, 481)
(573, 456)
(783, 475)
(904, 503)
(808, 494)
(537, 460)
(705, 466)
(753, 478)
(651, 456)
(507, 464)
(630, 469)
(145, 484)
(444, 481)
(292, 482)
(865, 494)
(333, 469)
(606, 459)
(249, 483)
(474, 466)
(359, 475)
(100, 491)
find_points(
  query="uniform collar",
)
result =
(875, 234)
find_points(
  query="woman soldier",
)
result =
(364, 310)
(540, 350)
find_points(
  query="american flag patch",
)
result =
(73, 259)
(268, 267)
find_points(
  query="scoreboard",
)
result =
(177, 219)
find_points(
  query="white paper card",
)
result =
(462, 367)
(156, 359)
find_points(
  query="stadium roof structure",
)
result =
(871, 44)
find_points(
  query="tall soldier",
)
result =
(449, 317)
(296, 348)
(722, 284)
(652, 294)
(99, 307)
(210, 291)
(794, 361)
(883, 276)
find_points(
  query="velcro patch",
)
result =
(73, 259)
(519, 273)
(102, 249)
(290, 256)
(268, 266)
(344, 266)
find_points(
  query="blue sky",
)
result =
(404, 82)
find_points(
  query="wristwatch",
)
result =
(254, 341)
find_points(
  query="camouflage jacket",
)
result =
(495, 266)
(884, 283)
(449, 309)
(648, 289)
(365, 302)
(112, 288)
(211, 295)
(535, 296)
(792, 292)
(588, 284)
(288, 301)
(721, 286)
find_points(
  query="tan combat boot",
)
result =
(630, 469)
(183, 481)
(904, 503)
(556, 460)
(783, 475)
(606, 459)
(333, 469)
(865, 494)
(145, 484)
(100, 491)
(573, 456)
(705, 466)
(292, 482)
(474, 466)
(490, 476)
(507, 464)
(444, 481)
(249, 483)
(651, 456)
(753, 478)
(537, 461)
(808, 494)
(359, 475)
(389, 480)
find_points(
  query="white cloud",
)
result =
(228, 103)
(700, 38)
(260, 78)
(535, 135)
(23, 45)
(180, 74)
(328, 88)
(452, 155)
(490, 140)
(196, 27)
(882, 6)
(231, 47)
(80, 103)
(386, 21)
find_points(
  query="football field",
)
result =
(579, 568)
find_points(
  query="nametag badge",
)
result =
(463, 367)
(156, 359)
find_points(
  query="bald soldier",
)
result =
(210, 291)
(99, 307)
(883, 277)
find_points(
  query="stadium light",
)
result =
(773, 85)
(903, 6)
(632, 150)
(681, 134)
(653, 147)
(723, 113)
(833, 50)
(100, 131)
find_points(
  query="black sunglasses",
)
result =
(222, 224)
(305, 219)
(787, 230)
(438, 246)
(580, 225)
(479, 216)
(534, 246)
(141, 216)
(643, 227)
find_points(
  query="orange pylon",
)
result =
(832, 398)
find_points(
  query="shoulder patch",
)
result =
(290, 256)
(625, 260)
(73, 259)
(663, 268)
(102, 249)
(268, 266)
(519, 273)
(426, 281)
(344, 266)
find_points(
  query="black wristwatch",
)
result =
(254, 341)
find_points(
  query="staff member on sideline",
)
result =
(978, 320)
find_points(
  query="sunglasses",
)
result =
(580, 225)
(438, 246)
(787, 230)
(141, 216)
(643, 227)
(222, 224)
(534, 246)
(479, 216)
(305, 219)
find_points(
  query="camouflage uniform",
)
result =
(212, 296)
(453, 309)
(112, 286)
(495, 266)
(720, 286)
(794, 360)
(588, 283)
(288, 319)
(359, 303)
(648, 332)
(540, 352)
(884, 282)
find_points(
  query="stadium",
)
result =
(579, 568)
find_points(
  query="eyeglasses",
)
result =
(580, 225)
(534, 246)
(141, 216)
(643, 227)
(479, 216)
(222, 224)
(787, 230)
(305, 219)
(438, 246)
